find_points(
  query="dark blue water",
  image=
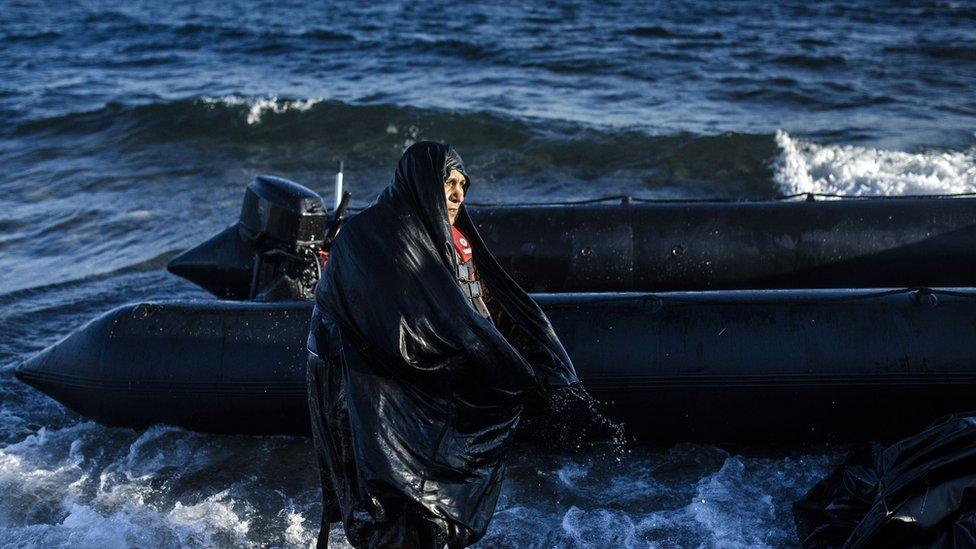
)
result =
(129, 130)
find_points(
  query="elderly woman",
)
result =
(423, 352)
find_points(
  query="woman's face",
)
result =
(454, 194)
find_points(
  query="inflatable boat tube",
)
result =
(628, 246)
(735, 245)
(781, 365)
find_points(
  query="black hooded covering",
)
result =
(417, 407)
(918, 492)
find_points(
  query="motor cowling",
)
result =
(271, 254)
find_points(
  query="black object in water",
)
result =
(779, 365)
(633, 246)
(762, 365)
(679, 246)
(920, 491)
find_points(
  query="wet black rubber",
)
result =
(782, 365)
(853, 243)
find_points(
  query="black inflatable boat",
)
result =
(765, 358)
(746, 365)
(647, 246)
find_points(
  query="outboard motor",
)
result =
(272, 253)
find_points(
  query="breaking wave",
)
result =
(376, 134)
(632, 161)
(808, 167)
(256, 109)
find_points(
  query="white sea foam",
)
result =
(198, 524)
(615, 528)
(297, 532)
(257, 108)
(807, 167)
(732, 508)
(688, 496)
(570, 472)
(88, 486)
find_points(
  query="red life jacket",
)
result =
(465, 272)
(461, 244)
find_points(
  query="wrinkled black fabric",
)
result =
(420, 402)
(918, 492)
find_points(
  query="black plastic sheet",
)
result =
(920, 491)
(416, 396)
